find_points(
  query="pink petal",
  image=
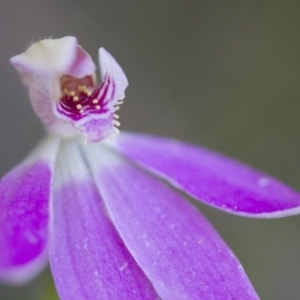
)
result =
(210, 177)
(24, 199)
(171, 241)
(88, 258)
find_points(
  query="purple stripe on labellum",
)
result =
(210, 177)
(82, 102)
(102, 92)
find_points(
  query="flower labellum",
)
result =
(108, 215)
(60, 78)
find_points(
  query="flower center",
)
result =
(79, 97)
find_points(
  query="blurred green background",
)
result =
(224, 74)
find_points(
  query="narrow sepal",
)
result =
(210, 177)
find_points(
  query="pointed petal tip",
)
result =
(109, 66)
(275, 214)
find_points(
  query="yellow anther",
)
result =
(116, 116)
(79, 106)
(117, 107)
(81, 111)
(89, 93)
(95, 101)
(75, 98)
(81, 88)
(97, 106)
(72, 93)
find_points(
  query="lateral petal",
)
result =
(25, 193)
(210, 177)
(171, 241)
(87, 257)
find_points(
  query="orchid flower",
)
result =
(110, 215)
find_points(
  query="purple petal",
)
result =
(24, 216)
(211, 178)
(175, 246)
(88, 258)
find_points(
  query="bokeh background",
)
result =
(224, 74)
